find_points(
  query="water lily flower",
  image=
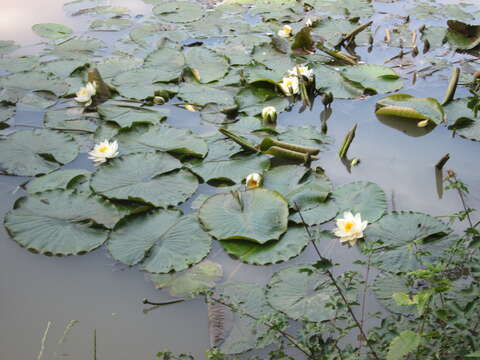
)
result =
(289, 85)
(85, 94)
(350, 228)
(269, 114)
(422, 123)
(309, 22)
(302, 70)
(253, 180)
(285, 32)
(103, 151)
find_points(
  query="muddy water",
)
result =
(104, 296)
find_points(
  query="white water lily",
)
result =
(269, 114)
(289, 85)
(350, 228)
(309, 22)
(302, 70)
(253, 180)
(103, 151)
(285, 31)
(85, 94)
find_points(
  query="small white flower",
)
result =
(285, 31)
(85, 94)
(269, 114)
(302, 70)
(289, 85)
(350, 228)
(253, 180)
(103, 151)
(309, 22)
(422, 123)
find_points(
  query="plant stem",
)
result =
(148, 302)
(367, 273)
(337, 286)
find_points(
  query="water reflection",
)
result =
(407, 126)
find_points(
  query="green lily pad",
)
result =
(202, 95)
(162, 240)
(178, 11)
(206, 65)
(60, 222)
(375, 78)
(74, 119)
(164, 138)
(362, 197)
(113, 66)
(61, 179)
(458, 112)
(435, 36)
(302, 292)
(257, 215)
(145, 177)
(463, 36)
(7, 46)
(52, 31)
(126, 116)
(310, 136)
(408, 106)
(33, 80)
(111, 24)
(146, 35)
(18, 64)
(290, 245)
(34, 152)
(406, 239)
(385, 286)
(6, 112)
(361, 8)
(78, 48)
(197, 278)
(328, 79)
(62, 68)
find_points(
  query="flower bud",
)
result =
(158, 100)
(423, 123)
(269, 114)
(327, 98)
(253, 180)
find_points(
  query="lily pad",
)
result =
(7, 46)
(206, 65)
(78, 48)
(34, 152)
(114, 24)
(70, 119)
(408, 106)
(163, 138)
(178, 11)
(60, 222)
(257, 215)
(162, 240)
(463, 36)
(463, 119)
(6, 112)
(197, 278)
(33, 80)
(61, 179)
(328, 79)
(375, 78)
(362, 197)
(408, 241)
(385, 286)
(302, 292)
(290, 245)
(202, 95)
(126, 116)
(145, 177)
(18, 64)
(52, 31)
(62, 68)
(113, 66)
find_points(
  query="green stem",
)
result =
(354, 33)
(347, 142)
(338, 54)
(239, 140)
(452, 85)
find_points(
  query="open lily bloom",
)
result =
(302, 70)
(309, 22)
(289, 85)
(253, 180)
(103, 151)
(85, 94)
(350, 228)
(285, 31)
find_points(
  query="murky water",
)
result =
(101, 295)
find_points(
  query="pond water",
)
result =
(106, 296)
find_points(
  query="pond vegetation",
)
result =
(254, 188)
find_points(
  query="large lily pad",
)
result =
(178, 11)
(407, 240)
(60, 222)
(408, 106)
(375, 78)
(18, 64)
(74, 119)
(61, 179)
(34, 80)
(206, 65)
(257, 215)
(302, 292)
(52, 31)
(126, 116)
(328, 79)
(33, 152)
(290, 245)
(162, 241)
(463, 119)
(463, 36)
(145, 177)
(385, 286)
(362, 197)
(164, 138)
(202, 95)
(78, 48)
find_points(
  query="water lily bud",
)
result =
(423, 123)
(253, 180)
(309, 22)
(190, 107)
(327, 98)
(355, 162)
(158, 100)
(269, 114)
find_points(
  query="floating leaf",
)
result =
(407, 240)
(362, 197)
(202, 94)
(18, 64)
(162, 240)
(114, 24)
(375, 78)
(164, 138)
(257, 215)
(290, 245)
(206, 65)
(52, 31)
(145, 177)
(408, 106)
(385, 286)
(74, 119)
(463, 36)
(458, 112)
(7, 46)
(328, 79)
(113, 66)
(35, 81)
(6, 112)
(60, 222)
(61, 179)
(178, 11)
(404, 344)
(78, 48)
(33, 152)
(126, 116)
(197, 278)
(302, 292)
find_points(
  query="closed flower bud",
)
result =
(158, 100)
(422, 123)
(253, 180)
(327, 98)
(269, 114)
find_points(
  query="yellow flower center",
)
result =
(348, 226)
(252, 183)
(287, 30)
(83, 91)
(102, 148)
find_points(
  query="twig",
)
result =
(148, 302)
(44, 340)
